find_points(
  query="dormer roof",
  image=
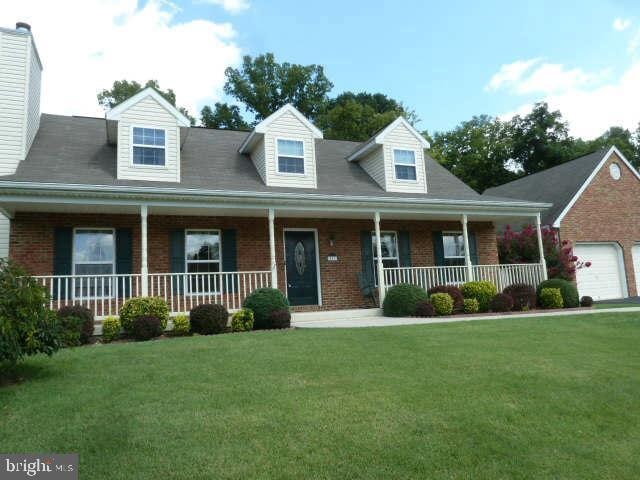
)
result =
(379, 137)
(118, 110)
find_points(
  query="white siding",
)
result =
(287, 126)
(149, 113)
(373, 164)
(4, 236)
(33, 100)
(400, 137)
(257, 157)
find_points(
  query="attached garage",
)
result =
(605, 279)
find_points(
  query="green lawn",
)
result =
(515, 398)
(600, 306)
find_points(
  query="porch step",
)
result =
(357, 313)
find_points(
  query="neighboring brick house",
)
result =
(141, 203)
(596, 206)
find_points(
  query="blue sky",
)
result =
(446, 60)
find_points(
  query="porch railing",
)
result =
(105, 294)
(500, 275)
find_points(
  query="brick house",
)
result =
(141, 203)
(596, 203)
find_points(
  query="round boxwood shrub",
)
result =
(442, 303)
(425, 309)
(208, 319)
(242, 320)
(568, 290)
(523, 295)
(551, 298)
(471, 305)
(110, 329)
(502, 303)
(586, 301)
(280, 318)
(482, 291)
(454, 292)
(143, 306)
(263, 302)
(77, 322)
(401, 300)
(181, 325)
(146, 327)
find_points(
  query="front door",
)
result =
(301, 265)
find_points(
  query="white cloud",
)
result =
(510, 73)
(621, 24)
(88, 44)
(231, 6)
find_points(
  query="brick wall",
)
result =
(607, 211)
(32, 244)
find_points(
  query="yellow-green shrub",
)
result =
(442, 303)
(551, 298)
(242, 320)
(481, 291)
(181, 325)
(143, 307)
(110, 329)
(471, 305)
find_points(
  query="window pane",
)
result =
(405, 157)
(405, 172)
(93, 246)
(203, 246)
(148, 156)
(294, 148)
(148, 136)
(290, 165)
(453, 245)
(388, 245)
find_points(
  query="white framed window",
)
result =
(404, 164)
(94, 255)
(290, 155)
(148, 146)
(203, 256)
(453, 245)
(389, 247)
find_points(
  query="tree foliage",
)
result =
(223, 115)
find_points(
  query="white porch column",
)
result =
(144, 269)
(543, 262)
(272, 249)
(379, 267)
(467, 253)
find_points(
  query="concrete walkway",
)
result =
(375, 319)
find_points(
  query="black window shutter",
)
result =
(177, 254)
(438, 249)
(367, 278)
(62, 261)
(404, 248)
(473, 248)
(229, 256)
(124, 259)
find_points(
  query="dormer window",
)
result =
(404, 162)
(149, 145)
(290, 156)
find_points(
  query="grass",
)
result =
(600, 306)
(516, 398)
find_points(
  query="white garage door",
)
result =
(604, 278)
(636, 266)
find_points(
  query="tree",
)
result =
(223, 116)
(621, 138)
(357, 116)
(263, 86)
(477, 151)
(121, 90)
(540, 139)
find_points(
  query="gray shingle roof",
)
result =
(74, 150)
(556, 185)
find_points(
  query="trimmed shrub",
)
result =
(454, 292)
(110, 329)
(568, 290)
(143, 306)
(208, 319)
(586, 301)
(181, 325)
(263, 302)
(80, 326)
(471, 305)
(401, 300)
(242, 320)
(425, 309)
(481, 291)
(442, 303)
(523, 295)
(551, 298)
(502, 303)
(146, 327)
(280, 318)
